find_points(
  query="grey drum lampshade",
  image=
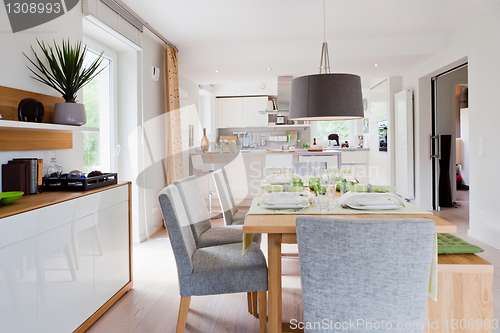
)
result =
(326, 97)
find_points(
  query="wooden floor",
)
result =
(152, 305)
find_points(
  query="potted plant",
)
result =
(66, 74)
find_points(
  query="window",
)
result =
(98, 97)
(340, 127)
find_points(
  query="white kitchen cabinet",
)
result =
(63, 261)
(251, 115)
(238, 112)
(18, 287)
(230, 112)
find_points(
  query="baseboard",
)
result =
(489, 238)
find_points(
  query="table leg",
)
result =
(274, 285)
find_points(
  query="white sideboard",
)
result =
(65, 258)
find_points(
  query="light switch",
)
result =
(155, 75)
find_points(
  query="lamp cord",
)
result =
(324, 64)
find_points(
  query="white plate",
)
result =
(275, 179)
(303, 204)
(371, 201)
(284, 200)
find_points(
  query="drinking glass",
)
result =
(322, 190)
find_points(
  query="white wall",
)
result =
(15, 74)
(190, 102)
(153, 105)
(476, 41)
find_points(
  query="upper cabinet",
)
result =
(251, 115)
(242, 112)
(230, 112)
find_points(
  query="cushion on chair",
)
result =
(451, 244)
(223, 270)
(225, 235)
(239, 217)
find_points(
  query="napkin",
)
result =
(375, 188)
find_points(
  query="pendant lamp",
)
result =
(326, 96)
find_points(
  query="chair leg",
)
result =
(249, 300)
(254, 304)
(262, 311)
(183, 313)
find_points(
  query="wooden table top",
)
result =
(285, 223)
(30, 202)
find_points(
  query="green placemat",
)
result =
(255, 209)
(451, 244)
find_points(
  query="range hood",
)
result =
(284, 94)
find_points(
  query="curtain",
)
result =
(175, 167)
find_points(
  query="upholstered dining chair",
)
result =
(309, 168)
(204, 234)
(232, 216)
(370, 270)
(210, 270)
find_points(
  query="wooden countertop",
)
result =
(285, 223)
(31, 202)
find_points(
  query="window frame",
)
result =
(112, 55)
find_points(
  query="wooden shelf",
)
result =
(23, 125)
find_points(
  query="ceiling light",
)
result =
(376, 65)
(326, 96)
(216, 71)
(269, 69)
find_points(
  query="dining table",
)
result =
(280, 228)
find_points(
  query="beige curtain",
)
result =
(175, 167)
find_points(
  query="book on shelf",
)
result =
(13, 177)
(32, 178)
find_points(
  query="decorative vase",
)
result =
(69, 114)
(204, 141)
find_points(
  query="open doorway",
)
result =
(450, 139)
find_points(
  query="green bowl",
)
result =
(6, 198)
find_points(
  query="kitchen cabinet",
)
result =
(65, 257)
(230, 112)
(357, 162)
(240, 112)
(251, 115)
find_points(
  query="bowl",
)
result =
(6, 198)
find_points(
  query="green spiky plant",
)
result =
(65, 72)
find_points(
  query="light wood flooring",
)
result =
(152, 305)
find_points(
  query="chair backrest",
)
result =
(309, 168)
(226, 199)
(371, 270)
(197, 161)
(194, 203)
(179, 231)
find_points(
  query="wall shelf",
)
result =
(23, 125)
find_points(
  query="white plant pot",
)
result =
(69, 114)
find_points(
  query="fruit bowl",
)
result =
(6, 198)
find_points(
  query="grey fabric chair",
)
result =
(204, 235)
(232, 216)
(308, 168)
(371, 270)
(210, 270)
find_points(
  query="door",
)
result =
(444, 121)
